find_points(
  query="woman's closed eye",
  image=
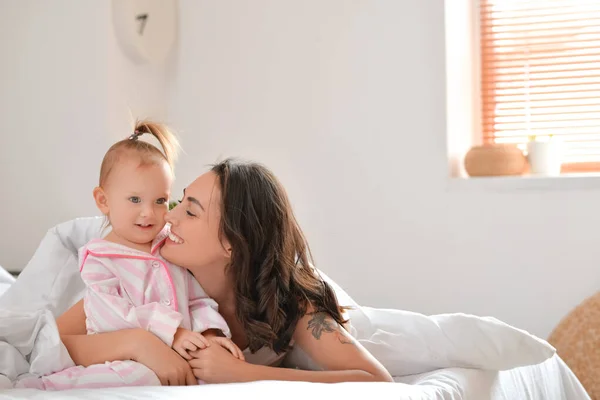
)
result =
(188, 212)
(135, 199)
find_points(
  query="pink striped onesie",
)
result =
(128, 288)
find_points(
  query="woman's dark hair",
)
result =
(274, 281)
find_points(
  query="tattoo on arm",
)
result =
(322, 322)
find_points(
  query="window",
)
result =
(540, 75)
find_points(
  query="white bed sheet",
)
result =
(551, 380)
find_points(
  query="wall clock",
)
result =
(145, 29)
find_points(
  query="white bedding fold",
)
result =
(6, 280)
(30, 343)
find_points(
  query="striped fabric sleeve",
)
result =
(204, 312)
(108, 308)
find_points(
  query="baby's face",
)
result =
(138, 199)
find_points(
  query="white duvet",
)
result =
(450, 357)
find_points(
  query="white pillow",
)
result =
(408, 343)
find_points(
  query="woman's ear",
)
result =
(101, 200)
(226, 248)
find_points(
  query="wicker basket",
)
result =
(577, 342)
(495, 160)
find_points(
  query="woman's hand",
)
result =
(215, 364)
(170, 368)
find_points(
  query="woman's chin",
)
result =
(169, 250)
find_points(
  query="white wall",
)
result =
(53, 105)
(66, 94)
(346, 102)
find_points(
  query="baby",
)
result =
(128, 283)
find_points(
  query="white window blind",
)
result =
(540, 65)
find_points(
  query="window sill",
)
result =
(587, 181)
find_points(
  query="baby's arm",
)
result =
(108, 308)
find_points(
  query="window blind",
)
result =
(540, 74)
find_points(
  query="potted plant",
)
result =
(544, 156)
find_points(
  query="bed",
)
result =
(445, 357)
(549, 380)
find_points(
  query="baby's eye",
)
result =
(161, 201)
(135, 199)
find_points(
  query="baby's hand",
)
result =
(186, 340)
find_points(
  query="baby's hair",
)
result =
(148, 153)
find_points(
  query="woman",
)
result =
(236, 232)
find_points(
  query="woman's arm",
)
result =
(328, 344)
(126, 344)
(94, 349)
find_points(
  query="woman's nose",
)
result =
(169, 217)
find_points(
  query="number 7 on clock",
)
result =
(142, 18)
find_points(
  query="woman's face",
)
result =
(194, 243)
